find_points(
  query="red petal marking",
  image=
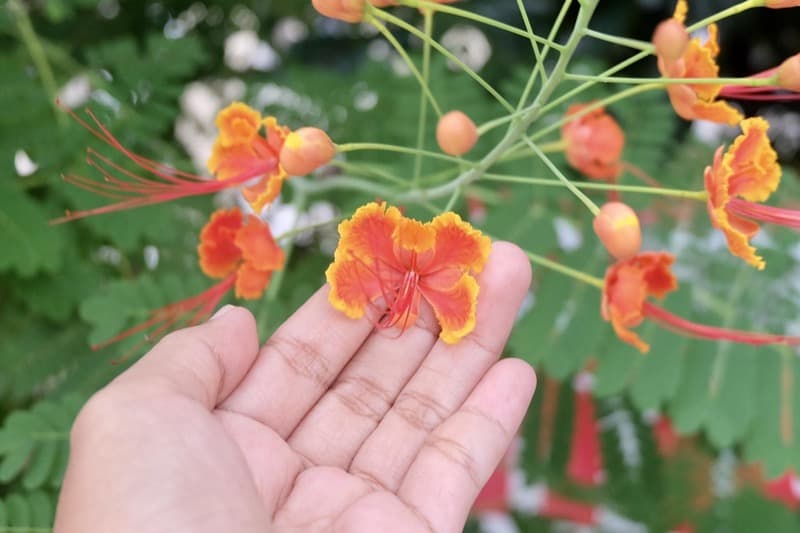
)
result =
(701, 331)
(185, 312)
(789, 218)
(132, 190)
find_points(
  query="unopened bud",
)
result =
(778, 4)
(789, 74)
(670, 40)
(456, 133)
(617, 227)
(346, 10)
(305, 150)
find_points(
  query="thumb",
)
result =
(204, 363)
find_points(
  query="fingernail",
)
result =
(221, 312)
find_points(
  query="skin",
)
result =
(330, 426)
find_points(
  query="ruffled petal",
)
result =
(264, 191)
(352, 286)
(251, 282)
(626, 335)
(217, 250)
(454, 308)
(738, 242)
(753, 163)
(718, 111)
(238, 124)
(258, 247)
(458, 245)
(368, 235)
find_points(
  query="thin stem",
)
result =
(403, 54)
(400, 23)
(477, 18)
(563, 269)
(353, 147)
(590, 205)
(342, 182)
(636, 44)
(701, 196)
(423, 103)
(747, 82)
(363, 168)
(453, 199)
(34, 46)
(725, 13)
(539, 66)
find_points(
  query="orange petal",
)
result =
(414, 236)
(658, 276)
(458, 244)
(258, 247)
(454, 308)
(227, 162)
(738, 242)
(369, 234)
(238, 124)
(626, 335)
(719, 111)
(218, 252)
(755, 172)
(352, 286)
(251, 282)
(264, 191)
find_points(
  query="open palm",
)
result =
(334, 426)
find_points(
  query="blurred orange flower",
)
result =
(748, 170)
(697, 101)
(594, 142)
(384, 255)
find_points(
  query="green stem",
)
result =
(353, 147)
(636, 44)
(342, 182)
(476, 18)
(34, 46)
(700, 196)
(725, 13)
(519, 127)
(590, 205)
(403, 54)
(400, 23)
(747, 82)
(563, 269)
(364, 168)
(423, 103)
(539, 66)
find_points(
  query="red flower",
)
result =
(747, 173)
(382, 254)
(627, 287)
(696, 101)
(242, 157)
(594, 143)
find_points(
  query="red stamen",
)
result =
(186, 312)
(789, 218)
(701, 331)
(131, 190)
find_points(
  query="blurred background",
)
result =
(663, 455)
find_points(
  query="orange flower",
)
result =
(780, 4)
(241, 158)
(627, 287)
(594, 143)
(346, 10)
(382, 254)
(697, 101)
(748, 170)
(241, 150)
(228, 245)
(628, 284)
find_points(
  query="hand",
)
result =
(332, 427)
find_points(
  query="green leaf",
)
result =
(29, 245)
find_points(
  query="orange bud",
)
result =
(456, 133)
(346, 10)
(778, 4)
(617, 226)
(670, 40)
(305, 150)
(789, 74)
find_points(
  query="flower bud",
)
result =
(305, 150)
(789, 74)
(778, 4)
(617, 227)
(456, 133)
(346, 10)
(670, 40)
